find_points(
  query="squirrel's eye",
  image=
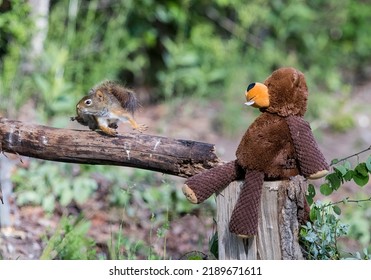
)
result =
(88, 102)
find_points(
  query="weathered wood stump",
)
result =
(282, 208)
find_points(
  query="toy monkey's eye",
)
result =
(250, 86)
(88, 102)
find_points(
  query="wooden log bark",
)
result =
(181, 158)
(281, 210)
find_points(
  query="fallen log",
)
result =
(182, 158)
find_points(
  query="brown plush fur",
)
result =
(278, 145)
(267, 147)
(288, 92)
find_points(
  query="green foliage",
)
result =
(70, 242)
(15, 34)
(319, 236)
(122, 247)
(97, 40)
(54, 92)
(360, 226)
(342, 173)
(213, 246)
(184, 48)
(44, 184)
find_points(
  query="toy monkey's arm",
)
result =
(201, 186)
(312, 163)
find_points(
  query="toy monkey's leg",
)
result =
(245, 215)
(312, 163)
(201, 186)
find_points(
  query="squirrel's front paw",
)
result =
(318, 174)
(112, 132)
(109, 131)
(141, 127)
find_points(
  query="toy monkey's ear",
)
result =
(100, 96)
(295, 79)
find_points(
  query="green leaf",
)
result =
(311, 190)
(48, 203)
(336, 209)
(342, 169)
(334, 161)
(368, 164)
(349, 175)
(359, 179)
(361, 169)
(334, 180)
(66, 196)
(313, 214)
(213, 245)
(325, 189)
(347, 165)
(311, 194)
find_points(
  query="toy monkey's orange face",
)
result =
(257, 95)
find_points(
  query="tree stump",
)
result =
(282, 209)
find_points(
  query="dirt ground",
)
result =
(191, 232)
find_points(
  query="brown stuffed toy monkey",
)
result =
(279, 144)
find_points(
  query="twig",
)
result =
(356, 154)
(345, 200)
(1, 195)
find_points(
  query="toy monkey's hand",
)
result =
(318, 174)
(312, 163)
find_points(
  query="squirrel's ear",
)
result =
(100, 95)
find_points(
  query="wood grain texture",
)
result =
(182, 158)
(278, 228)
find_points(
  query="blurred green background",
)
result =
(205, 52)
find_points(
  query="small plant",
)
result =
(44, 183)
(121, 247)
(70, 241)
(319, 235)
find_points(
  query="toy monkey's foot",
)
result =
(244, 236)
(202, 185)
(189, 194)
(318, 174)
